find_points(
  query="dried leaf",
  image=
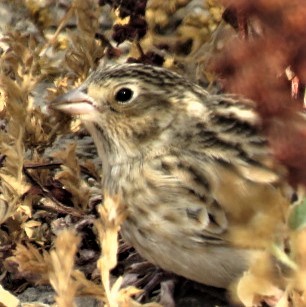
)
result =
(62, 263)
(8, 299)
(70, 176)
(261, 283)
(31, 263)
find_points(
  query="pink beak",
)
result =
(75, 102)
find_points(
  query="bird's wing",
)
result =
(227, 175)
(230, 133)
(216, 204)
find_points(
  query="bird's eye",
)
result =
(124, 95)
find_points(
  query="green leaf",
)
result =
(297, 218)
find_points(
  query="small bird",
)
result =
(193, 169)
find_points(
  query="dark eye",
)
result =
(124, 95)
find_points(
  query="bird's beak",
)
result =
(75, 102)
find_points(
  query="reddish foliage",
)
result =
(150, 58)
(136, 28)
(287, 136)
(256, 67)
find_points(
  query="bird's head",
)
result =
(129, 108)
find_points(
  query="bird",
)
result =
(193, 169)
